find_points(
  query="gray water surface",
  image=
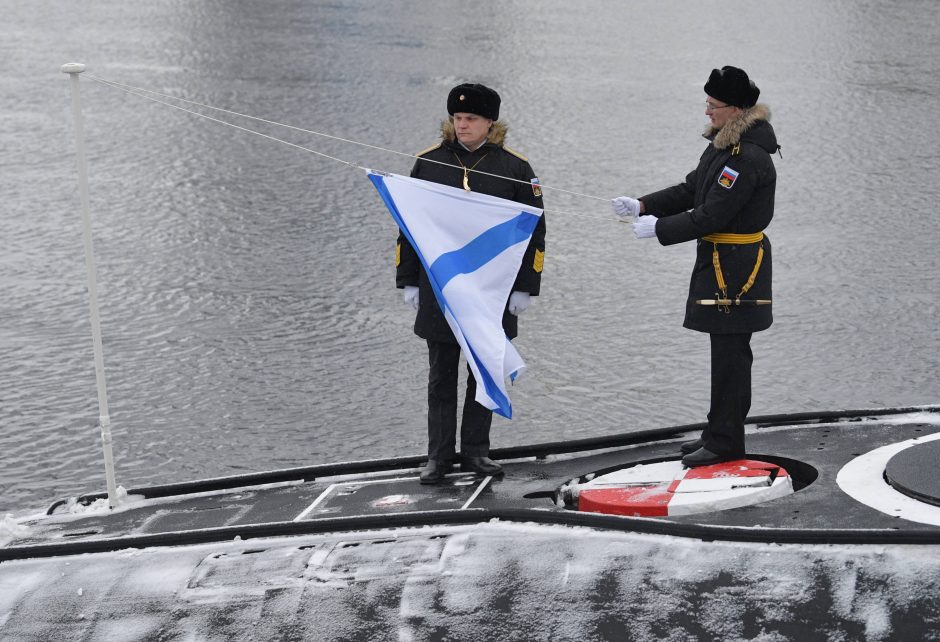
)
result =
(249, 313)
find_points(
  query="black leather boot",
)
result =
(435, 470)
(480, 465)
(705, 457)
(691, 446)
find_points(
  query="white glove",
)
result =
(518, 302)
(624, 207)
(645, 227)
(411, 296)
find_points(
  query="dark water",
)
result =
(250, 318)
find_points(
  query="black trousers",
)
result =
(731, 393)
(444, 360)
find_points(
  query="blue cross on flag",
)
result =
(471, 246)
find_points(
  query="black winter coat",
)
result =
(731, 191)
(492, 157)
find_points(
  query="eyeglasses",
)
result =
(711, 107)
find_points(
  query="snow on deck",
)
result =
(491, 581)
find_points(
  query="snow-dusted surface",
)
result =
(120, 501)
(925, 417)
(11, 529)
(492, 581)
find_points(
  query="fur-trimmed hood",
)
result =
(752, 124)
(497, 135)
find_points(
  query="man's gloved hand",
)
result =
(411, 296)
(518, 302)
(624, 207)
(645, 227)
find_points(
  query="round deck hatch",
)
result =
(667, 488)
(913, 471)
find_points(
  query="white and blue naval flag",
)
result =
(471, 246)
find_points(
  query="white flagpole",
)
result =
(73, 69)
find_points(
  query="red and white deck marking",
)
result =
(668, 489)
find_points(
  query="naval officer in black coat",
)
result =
(471, 155)
(723, 205)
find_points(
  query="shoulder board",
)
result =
(515, 153)
(429, 149)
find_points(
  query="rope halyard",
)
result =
(142, 93)
(134, 90)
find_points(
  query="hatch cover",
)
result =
(668, 488)
(913, 471)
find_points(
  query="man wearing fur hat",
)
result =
(723, 205)
(471, 156)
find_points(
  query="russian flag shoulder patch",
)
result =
(727, 177)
